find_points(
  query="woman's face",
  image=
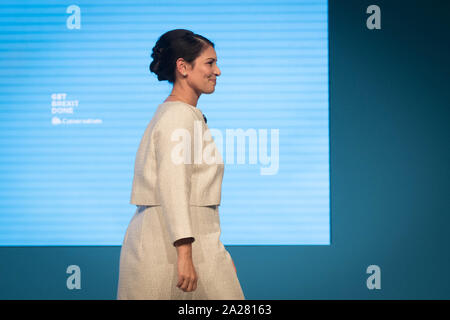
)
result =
(202, 78)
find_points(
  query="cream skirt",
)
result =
(148, 259)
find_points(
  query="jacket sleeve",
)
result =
(174, 136)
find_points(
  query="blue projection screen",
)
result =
(77, 95)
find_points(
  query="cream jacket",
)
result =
(177, 166)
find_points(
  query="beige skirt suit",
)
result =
(177, 191)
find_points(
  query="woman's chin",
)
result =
(210, 90)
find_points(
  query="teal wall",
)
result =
(389, 155)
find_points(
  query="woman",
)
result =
(172, 249)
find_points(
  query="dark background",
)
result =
(389, 153)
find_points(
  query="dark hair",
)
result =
(174, 44)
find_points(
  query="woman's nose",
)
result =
(218, 73)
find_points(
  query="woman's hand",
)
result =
(187, 277)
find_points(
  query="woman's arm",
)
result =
(174, 172)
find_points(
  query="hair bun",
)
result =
(157, 52)
(157, 56)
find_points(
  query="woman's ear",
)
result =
(182, 67)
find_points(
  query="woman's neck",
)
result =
(183, 93)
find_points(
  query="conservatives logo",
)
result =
(61, 105)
